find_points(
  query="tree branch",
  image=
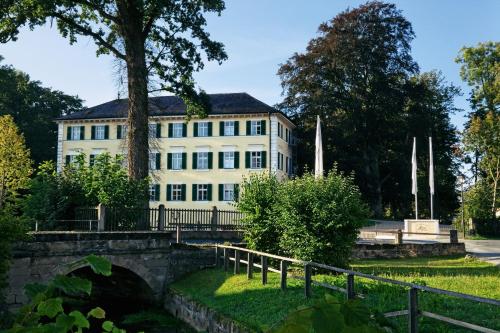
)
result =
(88, 32)
(100, 10)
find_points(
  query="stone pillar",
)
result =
(453, 236)
(101, 216)
(399, 237)
(161, 217)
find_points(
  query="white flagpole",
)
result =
(414, 186)
(318, 165)
(431, 176)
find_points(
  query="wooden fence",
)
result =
(223, 253)
(155, 219)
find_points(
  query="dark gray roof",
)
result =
(233, 103)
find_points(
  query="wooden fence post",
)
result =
(399, 237)
(284, 272)
(413, 310)
(351, 294)
(307, 278)
(217, 255)
(215, 218)
(161, 217)
(453, 236)
(263, 263)
(178, 234)
(236, 262)
(101, 216)
(250, 265)
(226, 259)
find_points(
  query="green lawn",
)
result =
(259, 307)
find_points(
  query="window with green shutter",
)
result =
(236, 128)
(91, 160)
(221, 128)
(183, 194)
(118, 131)
(68, 159)
(209, 192)
(210, 160)
(195, 129)
(210, 128)
(169, 192)
(170, 130)
(194, 192)
(68, 132)
(236, 159)
(158, 161)
(169, 161)
(184, 161)
(106, 132)
(82, 132)
(249, 127)
(221, 192)
(262, 127)
(247, 160)
(195, 161)
(221, 160)
(263, 159)
(184, 130)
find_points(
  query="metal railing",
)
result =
(413, 312)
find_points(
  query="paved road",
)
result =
(487, 250)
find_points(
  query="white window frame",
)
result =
(202, 192)
(176, 192)
(100, 132)
(228, 192)
(202, 160)
(72, 158)
(152, 192)
(255, 127)
(229, 157)
(203, 129)
(176, 161)
(255, 160)
(152, 130)
(152, 161)
(177, 130)
(229, 128)
(75, 133)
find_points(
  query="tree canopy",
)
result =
(359, 76)
(34, 109)
(161, 43)
(15, 162)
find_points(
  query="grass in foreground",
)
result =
(260, 307)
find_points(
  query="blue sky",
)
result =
(259, 35)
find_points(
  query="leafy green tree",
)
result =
(306, 218)
(15, 162)
(160, 43)
(34, 109)
(259, 200)
(480, 68)
(483, 138)
(320, 218)
(358, 94)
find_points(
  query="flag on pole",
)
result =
(318, 163)
(431, 167)
(414, 189)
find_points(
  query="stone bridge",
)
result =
(144, 263)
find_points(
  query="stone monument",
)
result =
(422, 226)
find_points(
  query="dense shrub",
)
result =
(487, 227)
(258, 203)
(306, 218)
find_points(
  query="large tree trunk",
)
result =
(138, 146)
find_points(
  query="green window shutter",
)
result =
(119, 131)
(184, 161)
(249, 127)
(263, 159)
(158, 161)
(221, 160)
(68, 159)
(236, 192)
(91, 160)
(82, 132)
(236, 128)
(221, 192)
(221, 128)
(170, 130)
(195, 161)
(158, 130)
(183, 192)
(157, 192)
(210, 160)
(195, 129)
(169, 161)
(209, 192)
(106, 132)
(68, 133)
(210, 127)
(184, 130)
(92, 132)
(236, 159)
(247, 159)
(263, 127)
(194, 194)
(169, 192)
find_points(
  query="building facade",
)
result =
(196, 164)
